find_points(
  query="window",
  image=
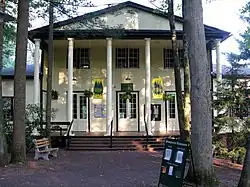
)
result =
(8, 108)
(127, 57)
(168, 57)
(81, 58)
(171, 106)
(156, 112)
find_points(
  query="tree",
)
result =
(50, 67)
(232, 104)
(3, 145)
(201, 117)
(18, 143)
(177, 72)
(245, 55)
(186, 72)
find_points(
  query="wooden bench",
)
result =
(43, 149)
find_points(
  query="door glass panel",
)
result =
(122, 108)
(171, 106)
(83, 107)
(133, 107)
(74, 106)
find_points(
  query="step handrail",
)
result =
(146, 128)
(68, 132)
(111, 134)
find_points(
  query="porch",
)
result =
(119, 66)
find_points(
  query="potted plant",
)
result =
(127, 95)
(88, 93)
(54, 94)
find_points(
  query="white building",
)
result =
(133, 53)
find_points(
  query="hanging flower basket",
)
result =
(54, 94)
(126, 95)
(168, 97)
(88, 93)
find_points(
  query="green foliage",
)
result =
(126, 95)
(38, 10)
(232, 98)
(88, 93)
(33, 120)
(233, 101)
(54, 95)
(168, 97)
(237, 155)
(231, 146)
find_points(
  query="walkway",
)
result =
(90, 169)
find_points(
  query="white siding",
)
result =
(128, 18)
(8, 89)
(98, 70)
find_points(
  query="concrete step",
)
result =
(93, 143)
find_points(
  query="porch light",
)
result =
(74, 80)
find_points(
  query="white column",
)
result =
(148, 85)
(36, 72)
(70, 78)
(218, 62)
(109, 87)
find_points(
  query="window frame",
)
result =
(153, 118)
(129, 61)
(168, 58)
(79, 60)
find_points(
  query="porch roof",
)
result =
(119, 34)
(42, 33)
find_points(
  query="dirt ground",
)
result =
(98, 169)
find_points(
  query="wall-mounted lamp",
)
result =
(74, 80)
(127, 79)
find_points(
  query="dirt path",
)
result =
(95, 169)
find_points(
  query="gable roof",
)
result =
(243, 72)
(9, 72)
(127, 4)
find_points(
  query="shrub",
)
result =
(32, 121)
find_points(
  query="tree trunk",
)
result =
(50, 66)
(201, 116)
(245, 173)
(187, 105)
(18, 143)
(3, 143)
(177, 72)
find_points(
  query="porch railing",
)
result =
(111, 134)
(68, 132)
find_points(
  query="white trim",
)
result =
(70, 79)
(148, 85)
(36, 72)
(109, 86)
